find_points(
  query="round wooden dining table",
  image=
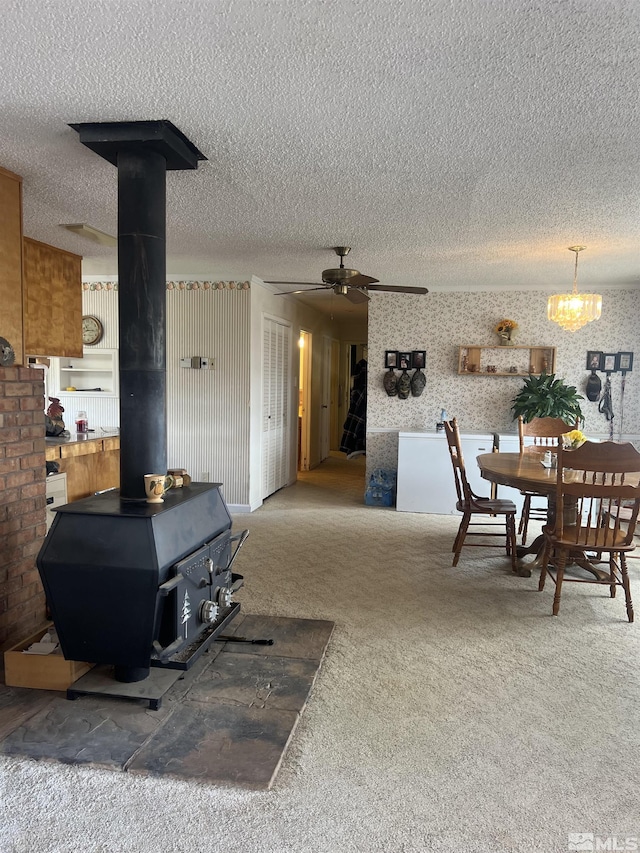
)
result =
(525, 471)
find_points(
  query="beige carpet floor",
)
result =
(452, 712)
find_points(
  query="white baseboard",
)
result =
(240, 508)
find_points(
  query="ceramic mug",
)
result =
(155, 485)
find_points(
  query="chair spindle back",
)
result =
(598, 479)
(546, 434)
(452, 432)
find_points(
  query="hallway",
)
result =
(336, 480)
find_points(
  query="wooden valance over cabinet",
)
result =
(11, 262)
(52, 288)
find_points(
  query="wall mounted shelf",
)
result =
(505, 361)
(97, 369)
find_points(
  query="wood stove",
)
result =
(136, 585)
(130, 583)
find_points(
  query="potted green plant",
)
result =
(544, 396)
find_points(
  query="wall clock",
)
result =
(92, 330)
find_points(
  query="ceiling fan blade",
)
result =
(360, 280)
(297, 283)
(355, 295)
(390, 289)
(292, 292)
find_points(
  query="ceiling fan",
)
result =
(346, 282)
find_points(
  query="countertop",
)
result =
(79, 437)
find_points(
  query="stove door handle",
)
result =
(165, 588)
(240, 538)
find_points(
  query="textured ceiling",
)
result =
(452, 144)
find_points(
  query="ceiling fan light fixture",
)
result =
(338, 276)
(91, 233)
(574, 310)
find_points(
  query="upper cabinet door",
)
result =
(52, 300)
(11, 263)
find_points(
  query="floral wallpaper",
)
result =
(442, 322)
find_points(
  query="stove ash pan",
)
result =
(133, 584)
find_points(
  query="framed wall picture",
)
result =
(391, 358)
(404, 360)
(609, 362)
(418, 358)
(625, 361)
(594, 360)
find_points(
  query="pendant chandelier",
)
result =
(574, 310)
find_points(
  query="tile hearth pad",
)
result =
(228, 720)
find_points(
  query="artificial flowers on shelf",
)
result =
(573, 439)
(505, 326)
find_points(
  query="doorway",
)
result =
(304, 400)
(354, 352)
(353, 441)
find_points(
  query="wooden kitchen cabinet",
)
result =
(11, 263)
(91, 464)
(52, 299)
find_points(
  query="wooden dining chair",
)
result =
(593, 483)
(470, 505)
(545, 434)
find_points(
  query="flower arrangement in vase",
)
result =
(505, 330)
(572, 440)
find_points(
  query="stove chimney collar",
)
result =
(107, 138)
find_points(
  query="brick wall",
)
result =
(22, 502)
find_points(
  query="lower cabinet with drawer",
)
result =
(56, 494)
(91, 465)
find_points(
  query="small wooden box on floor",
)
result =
(44, 672)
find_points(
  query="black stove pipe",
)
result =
(141, 317)
(142, 152)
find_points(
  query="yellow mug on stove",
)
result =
(155, 485)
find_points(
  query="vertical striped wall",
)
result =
(207, 410)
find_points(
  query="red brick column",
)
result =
(22, 502)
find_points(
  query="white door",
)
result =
(275, 405)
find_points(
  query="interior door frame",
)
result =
(335, 409)
(304, 394)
